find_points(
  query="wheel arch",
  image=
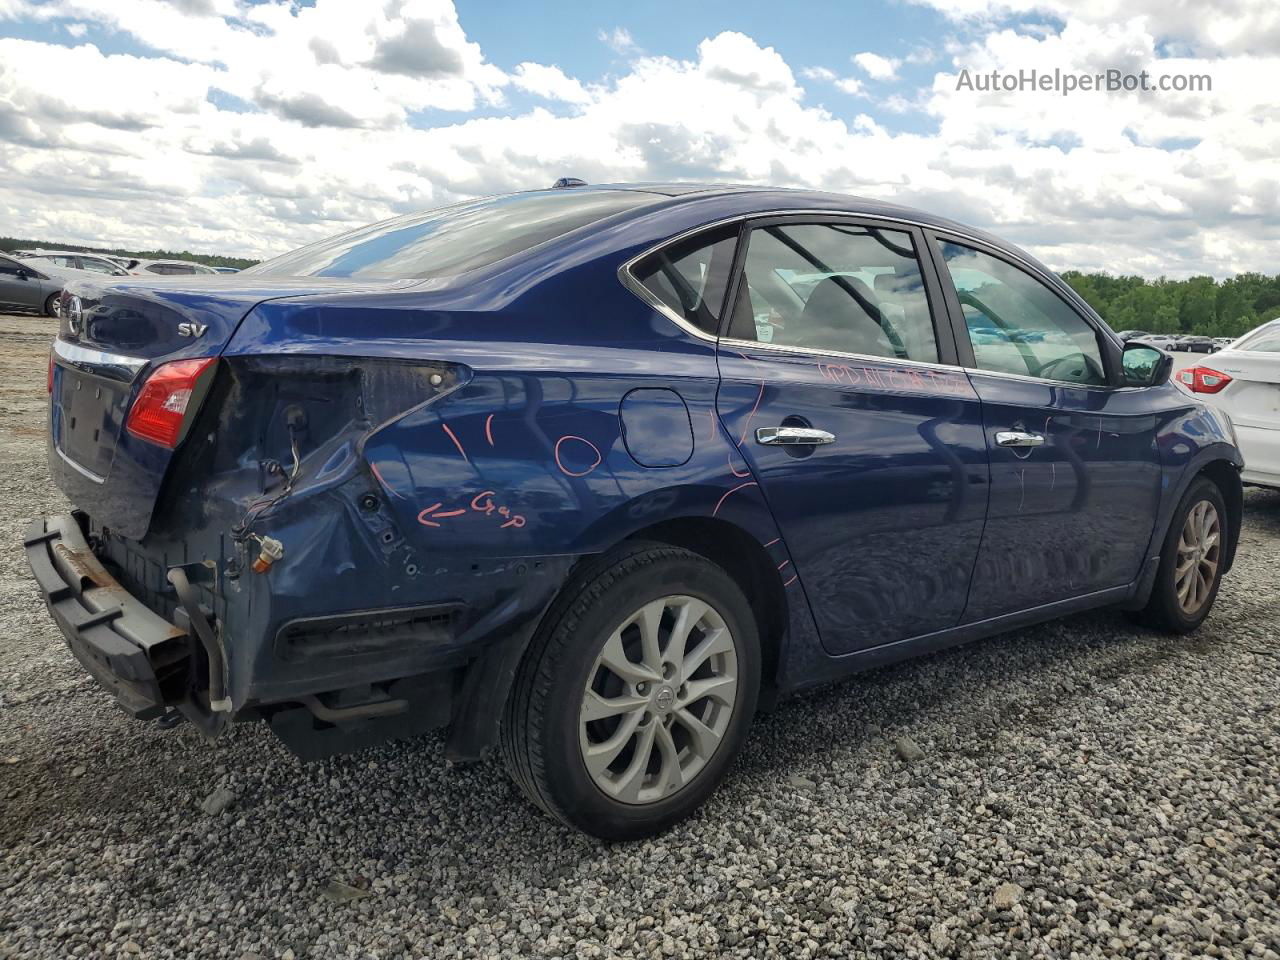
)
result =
(1226, 477)
(745, 559)
(488, 679)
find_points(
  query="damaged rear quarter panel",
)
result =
(489, 493)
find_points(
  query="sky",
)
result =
(249, 128)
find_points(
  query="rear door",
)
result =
(846, 405)
(1075, 470)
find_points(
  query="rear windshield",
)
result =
(1265, 339)
(452, 240)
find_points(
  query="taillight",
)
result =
(161, 407)
(1203, 379)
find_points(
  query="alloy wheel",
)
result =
(658, 700)
(1199, 549)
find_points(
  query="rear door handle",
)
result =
(1016, 438)
(772, 436)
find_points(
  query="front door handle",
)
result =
(1016, 438)
(771, 436)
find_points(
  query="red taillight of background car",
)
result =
(161, 407)
(1203, 379)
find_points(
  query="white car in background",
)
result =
(1243, 380)
(76, 264)
(74, 260)
(169, 268)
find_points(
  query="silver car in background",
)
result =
(26, 284)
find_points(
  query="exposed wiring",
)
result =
(242, 530)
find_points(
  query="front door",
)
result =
(845, 404)
(17, 286)
(1075, 471)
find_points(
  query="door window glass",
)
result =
(9, 266)
(690, 277)
(1018, 325)
(835, 287)
(97, 266)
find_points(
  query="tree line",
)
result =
(1197, 305)
(8, 244)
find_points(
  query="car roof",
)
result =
(754, 198)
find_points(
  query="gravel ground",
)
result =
(1080, 789)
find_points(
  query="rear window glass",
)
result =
(1264, 340)
(452, 240)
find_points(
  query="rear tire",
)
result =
(636, 694)
(51, 304)
(1191, 560)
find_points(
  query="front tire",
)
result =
(636, 694)
(1191, 561)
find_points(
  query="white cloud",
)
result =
(876, 66)
(1237, 26)
(825, 74)
(620, 41)
(550, 82)
(849, 85)
(129, 150)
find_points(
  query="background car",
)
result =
(169, 268)
(66, 260)
(24, 284)
(527, 468)
(1127, 335)
(1195, 343)
(1243, 380)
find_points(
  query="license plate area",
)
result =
(87, 418)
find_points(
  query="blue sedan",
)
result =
(590, 474)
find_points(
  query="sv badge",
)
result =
(192, 329)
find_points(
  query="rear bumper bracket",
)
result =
(113, 635)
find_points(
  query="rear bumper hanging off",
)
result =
(141, 658)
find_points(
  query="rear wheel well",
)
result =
(1226, 477)
(745, 560)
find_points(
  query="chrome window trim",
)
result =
(1001, 375)
(73, 353)
(840, 354)
(629, 281)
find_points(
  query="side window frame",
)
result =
(943, 329)
(1108, 347)
(630, 281)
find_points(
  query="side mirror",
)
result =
(1144, 365)
(23, 274)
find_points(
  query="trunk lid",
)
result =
(112, 335)
(1252, 399)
